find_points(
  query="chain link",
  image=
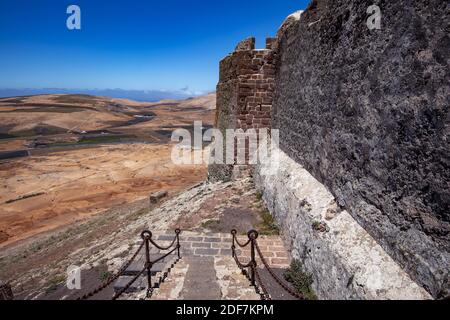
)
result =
(264, 295)
(147, 238)
(124, 289)
(260, 288)
(275, 277)
(115, 277)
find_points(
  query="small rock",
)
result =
(235, 199)
(156, 197)
(321, 227)
(330, 215)
(331, 212)
(306, 205)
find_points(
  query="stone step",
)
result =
(206, 278)
(138, 265)
(159, 272)
(207, 270)
(139, 285)
(200, 282)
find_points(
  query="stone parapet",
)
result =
(345, 261)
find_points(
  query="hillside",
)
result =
(64, 158)
(69, 117)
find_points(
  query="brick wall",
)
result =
(244, 93)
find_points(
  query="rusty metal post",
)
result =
(177, 232)
(252, 267)
(146, 236)
(148, 263)
(6, 292)
(253, 235)
(233, 243)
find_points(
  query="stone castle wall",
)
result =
(244, 93)
(365, 114)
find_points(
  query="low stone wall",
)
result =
(345, 261)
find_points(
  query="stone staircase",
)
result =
(206, 271)
(159, 272)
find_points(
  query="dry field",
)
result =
(74, 176)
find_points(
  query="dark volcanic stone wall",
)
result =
(366, 112)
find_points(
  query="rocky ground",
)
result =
(102, 244)
(66, 187)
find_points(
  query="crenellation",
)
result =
(247, 74)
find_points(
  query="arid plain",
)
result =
(65, 158)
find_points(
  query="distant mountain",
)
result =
(138, 95)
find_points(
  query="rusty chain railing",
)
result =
(111, 279)
(250, 270)
(6, 292)
(147, 236)
(147, 240)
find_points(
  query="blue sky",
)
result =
(132, 44)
